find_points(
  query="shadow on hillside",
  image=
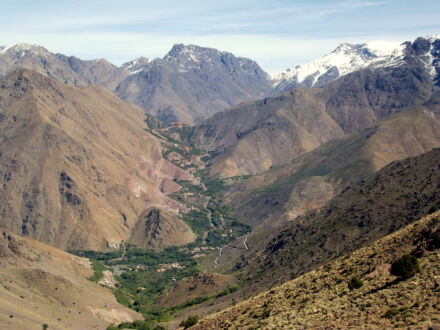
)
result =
(386, 286)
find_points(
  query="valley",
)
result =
(197, 190)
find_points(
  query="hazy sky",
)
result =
(276, 33)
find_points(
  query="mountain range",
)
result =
(193, 181)
(252, 137)
(191, 83)
(347, 58)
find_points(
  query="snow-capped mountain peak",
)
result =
(187, 57)
(345, 59)
(136, 65)
(22, 48)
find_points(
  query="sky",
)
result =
(278, 34)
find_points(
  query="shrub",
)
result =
(355, 283)
(433, 209)
(391, 312)
(405, 267)
(266, 313)
(190, 321)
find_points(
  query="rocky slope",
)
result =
(191, 83)
(362, 213)
(252, 137)
(77, 167)
(158, 228)
(322, 298)
(43, 285)
(199, 285)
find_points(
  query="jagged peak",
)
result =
(193, 52)
(345, 58)
(432, 37)
(136, 64)
(23, 47)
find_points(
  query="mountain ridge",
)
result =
(255, 136)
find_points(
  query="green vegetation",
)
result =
(98, 268)
(145, 275)
(405, 267)
(140, 325)
(198, 221)
(391, 312)
(355, 283)
(202, 299)
(433, 209)
(98, 255)
(152, 258)
(215, 188)
(190, 321)
(154, 123)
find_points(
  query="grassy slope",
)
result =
(322, 298)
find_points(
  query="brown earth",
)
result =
(362, 213)
(43, 285)
(158, 229)
(77, 167)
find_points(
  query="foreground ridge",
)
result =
(322, 298)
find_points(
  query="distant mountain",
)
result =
(347, 58)
(192, 83)
(135, 65)
(189, 84)
(78, 169)
(69, 70)
(253, 136)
